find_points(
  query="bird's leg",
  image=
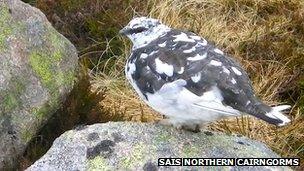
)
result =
(165, 122)
(195, 127)
(192, 128)
(203, 126)
(170, 122)
(189, 126)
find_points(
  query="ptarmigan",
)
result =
(191, 82)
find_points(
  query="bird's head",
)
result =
(142, 30)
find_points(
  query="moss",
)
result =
(57, 56)
(218, 141)
(56, 41)
(10, 102)
(67, 78)
(136, 157)
(19, 85)
(42, 65)
(12, 97)
(5, 29)
(41, 112)
(98, 163)
(46, 68)
(50, 107)
(191, 151)
(164, 137)
(160, 138)
(46, 64)
(27, 135)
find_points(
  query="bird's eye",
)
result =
(138, 30)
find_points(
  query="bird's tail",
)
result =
(276, 113)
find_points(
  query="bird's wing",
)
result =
(210, 78)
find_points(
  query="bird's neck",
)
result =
(142, 39)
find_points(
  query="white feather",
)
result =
(162, 67)
(182, 106)
(219, 108)
(182, 38)
(236, 71)
(197, 57)
(276, 114)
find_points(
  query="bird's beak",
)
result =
(124, 31)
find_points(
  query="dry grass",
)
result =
(120, 100)
(264, 35)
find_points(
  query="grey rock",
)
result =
(37, 70)
(137, 146)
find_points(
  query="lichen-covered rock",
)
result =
(37, 70)
(137, 146)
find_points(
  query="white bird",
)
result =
(191, 82)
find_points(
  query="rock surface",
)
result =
(137, 146)
(37, 70)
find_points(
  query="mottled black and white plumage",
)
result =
(182, 76)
